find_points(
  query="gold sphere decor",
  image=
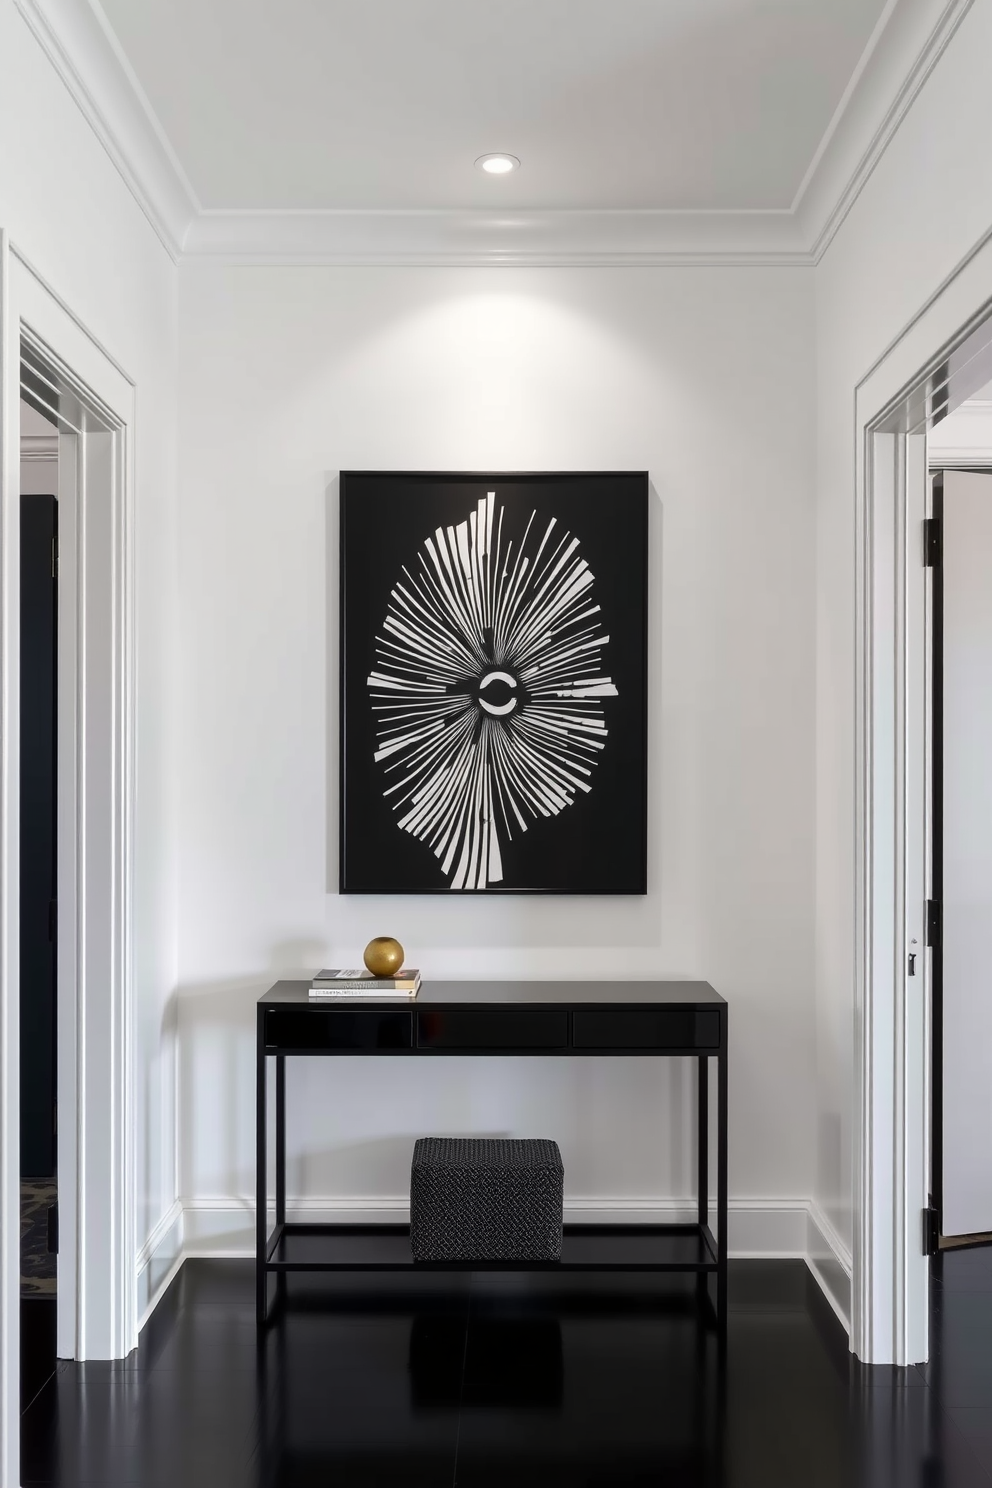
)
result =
(384, 956)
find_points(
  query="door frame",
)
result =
(939, 468)
(97, 1272)
(942, 356)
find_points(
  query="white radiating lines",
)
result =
(480, 611)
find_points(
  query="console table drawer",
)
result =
(646, 1028)
(512, 1029)
(338, 1028)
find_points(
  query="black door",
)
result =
(39, 528)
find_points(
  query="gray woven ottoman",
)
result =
(486, 1199)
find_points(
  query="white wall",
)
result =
(927, 203)
(705, 378)
(69, 212)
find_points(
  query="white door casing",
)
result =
(945, 347)
(97, 1281)
(889, 1313)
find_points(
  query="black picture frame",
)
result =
(493, 682)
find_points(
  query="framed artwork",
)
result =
(493, 683)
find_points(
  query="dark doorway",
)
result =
(38, 1044)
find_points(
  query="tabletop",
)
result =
(533, 994)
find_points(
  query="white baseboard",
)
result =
(760, 1229)
(158, 1261)
(766, 1228)
(830, 1262)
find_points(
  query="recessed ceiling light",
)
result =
(497, 165)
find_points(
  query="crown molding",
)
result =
(41, 447)
(905, 47)
(78, 41)
(960, 459)
(521, 238)
(907, 43)
(973, 408)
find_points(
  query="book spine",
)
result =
(379, 985)
(397, 995)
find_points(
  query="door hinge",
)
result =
(931, 1230)
(55, 557)
(933, 922)
(931, 542)
(53, 1229)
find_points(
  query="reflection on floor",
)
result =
(37, 1261)
(954, 1242)
(510, 1380)
(38, 1283)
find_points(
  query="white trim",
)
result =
(159, 1234)
(102, 714)
(830, 1262)
(960, 458)
(91, 341)
(894, 69)
(890, 1305)
(765, 1228)
(843, 109)
(889, 1313)
(760, 1229)
(537, 239)
(913, 1082)
(902, 51)
(39, 448)
(973, 408)
(77, 40)
(158, 1261)
(830, 1238)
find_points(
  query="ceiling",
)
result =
(699, 105)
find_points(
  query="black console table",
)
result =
(576, 1019)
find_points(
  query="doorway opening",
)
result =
(941, 359)
(959, 906)
(74, 846)
(38, 858)
(51, 361)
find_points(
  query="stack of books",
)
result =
(360, 983)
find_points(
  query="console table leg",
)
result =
(280, 1139)
(702, 1168)
(261, 1186)
(721, 1185)
(703, 1139)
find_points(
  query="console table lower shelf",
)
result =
(326, 1247)
(668, 1019)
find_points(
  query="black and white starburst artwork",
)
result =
(489, 688)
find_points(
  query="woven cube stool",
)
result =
(486, 1199)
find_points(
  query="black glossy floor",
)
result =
(497, 1380)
